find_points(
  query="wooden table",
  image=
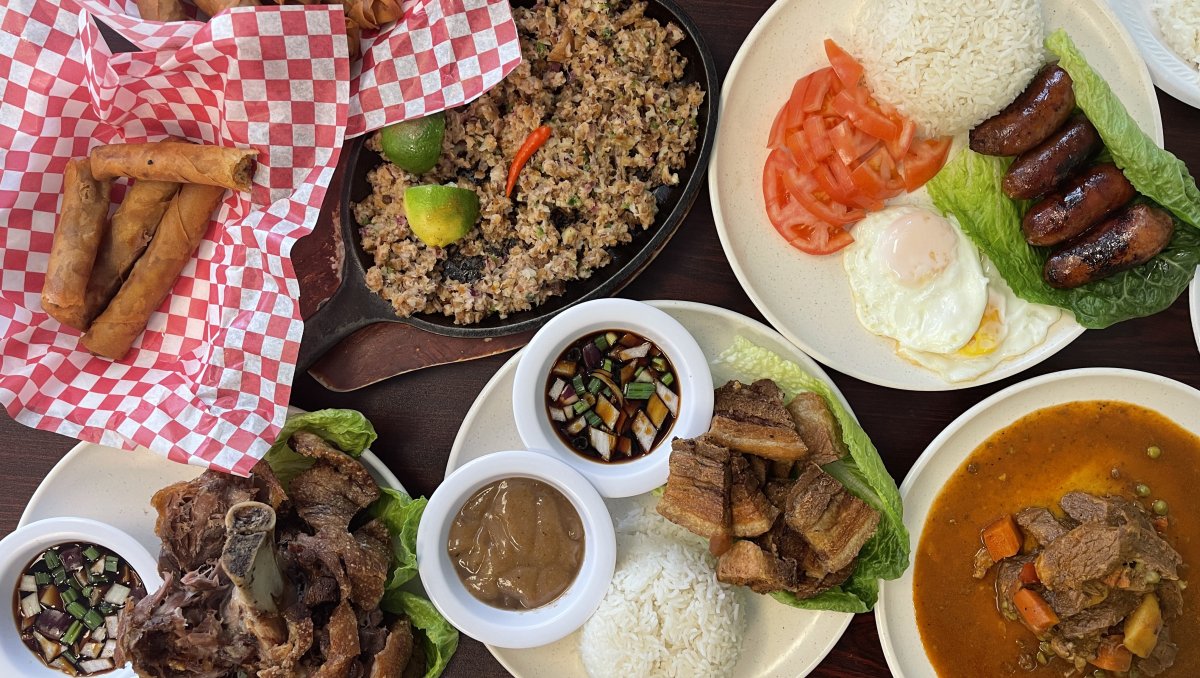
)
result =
(417, 415)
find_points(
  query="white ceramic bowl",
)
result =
(23, 545)
(1170, 71)
(627, 478)
(515, 628)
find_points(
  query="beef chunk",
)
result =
(1161, 658)
(1067, 602)
(1116, 511)
(752, 513)
(817, 428)
(745, 564)
(1095, 550)
(1008, 582)
(1040, 524)
(1095, 620)
(1170, 597)
(981, 563)
(833, 521)
(753, 420)
(697, 494)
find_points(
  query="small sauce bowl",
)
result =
(515, 628)
(648, 471)
(25, 544)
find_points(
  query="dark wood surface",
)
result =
(418, 414)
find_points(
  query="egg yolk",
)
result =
(917, 246)
(991, 330)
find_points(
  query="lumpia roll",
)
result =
(133, 225)
(154, 274)
(177, 161)
(214, 7)
(82, 221)
(161, 10)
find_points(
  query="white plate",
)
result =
(779, 640)
(807, 298)
(1194, 299)
(895, 615)
(1170, 71)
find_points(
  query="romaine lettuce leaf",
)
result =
(1155, 172)
(440, 638)
(347, 430)
(886, 554)
(968, 188)
(401, 514)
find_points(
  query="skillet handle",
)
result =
(340, 316)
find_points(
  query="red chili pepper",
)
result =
(532, 142)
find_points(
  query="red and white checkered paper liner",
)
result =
(208, 383)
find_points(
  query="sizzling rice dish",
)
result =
(607, 80)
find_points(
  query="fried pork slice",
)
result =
(390, 661)
(191, 518)
(818, 428)
(745, 564)
(697, 494)
(753, 420)
(812, 579)
(834, 522)
(752, 513)
(328, 495)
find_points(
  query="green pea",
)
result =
(1154, 451)
(1160, 507)
(1142, 490)
(1153, 577)
(1042, 659)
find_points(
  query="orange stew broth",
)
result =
(1033, 462)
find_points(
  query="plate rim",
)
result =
(1164, 63)
(1069, 334)
(808, 363)
(938, 444)
(1194, 306)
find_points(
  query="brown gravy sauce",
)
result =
(517, 544)
(1033, 462)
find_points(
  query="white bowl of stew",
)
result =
(96, 562)
(516, 570)
(606, 386)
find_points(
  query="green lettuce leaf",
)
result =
(886, 554)
(401, 514)
(1155, 172)
(440, 638)
(968, 188)
(347, 430)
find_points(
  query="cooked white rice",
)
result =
(949, 64)
(665, 613)
(1179, 22)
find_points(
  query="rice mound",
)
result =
(665, 613)
(1179, 22)
(949, 64)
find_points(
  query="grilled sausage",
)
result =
(1037, 171)
(1077, 205)
(1129, 239)
(1034, 115)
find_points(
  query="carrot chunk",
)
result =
(1002, 538)
(1035, 611)
(1112, 655)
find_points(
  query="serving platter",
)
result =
(1171, 73)
(785, 641)
(895, 614)
(807, 298)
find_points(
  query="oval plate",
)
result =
(895, 615)
(807, 298)
(779, 640)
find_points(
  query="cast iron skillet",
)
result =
(354, 305)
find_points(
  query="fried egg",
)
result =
(916, 279)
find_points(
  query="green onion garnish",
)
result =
(59, 576)
(68, 595)
(577, 383)
(91, 553)
(111, 563)
(601, 342)
(595, 385)
(77, 610)
(105, 607)
(69, 656)
(72, 633)
(52, 560)
(582, 406)
(659, 364)
(93, 620)
(639, 390)
(667, 379)
(41, 578)
(607, 365)
(593, 418)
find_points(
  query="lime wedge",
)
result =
(414, 145)
(440, 215)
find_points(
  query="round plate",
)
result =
(1194, 299)
(807, 298)
(895, 615)
(779, 640)
(1170, 71)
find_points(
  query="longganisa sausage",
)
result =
(1129, 239)
(1077, 205)
(1037, 171)
(1032, 117)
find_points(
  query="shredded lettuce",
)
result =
(968, 188)
(440, 638)
(1156, 173)
(401, 514)
(886, 554)
(347, 430)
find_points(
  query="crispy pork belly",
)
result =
(753, 420)
(752, 513)
(817, 428)
(745, 564)
(697, 494)
(833, 521)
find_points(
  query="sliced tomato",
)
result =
(924, 160)
(848, 70)
(797, 143)
(844, 138)
(819, 85)
(903, 141)
(817, 137)
(828, 185)
(774, 192)
(778, 130)
(864, 117)
(796, 115)
(818, 237)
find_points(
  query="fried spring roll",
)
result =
(161, 10)
(177, 161)
(133, 225)
(214, 7)
(82, 221)
(154, 274)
